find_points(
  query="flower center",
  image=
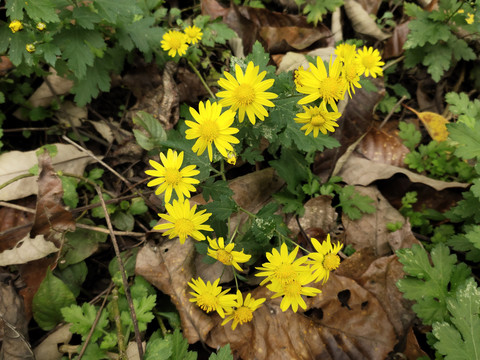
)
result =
(176, 42)
(293, 289)
(209, 130)
(317, 120)
(184, 226)
(224, 257)
(285, 273)
(368, 61)
(172, 176)
(243, 314)
(331, 88)
(351, 73)
(207, 302)
(331, 262)
(244, 94)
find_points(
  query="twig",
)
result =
(16, 178)
(17, 207)
(201, 79)
(118, 325)
(392, 110)
(397, 60)
(94, 325)
(113, 171)
(27, 129)
(128, 295)
(106, 231)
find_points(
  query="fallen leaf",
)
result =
(13, 325)
(356, 264)
(435, 124)
(26, 250)
(362, 22)
(371, 229)
(48, 348)
(360, 171)
(15, 163)
(70, 114)
(394, 45)
(371, 6)
(5, 65)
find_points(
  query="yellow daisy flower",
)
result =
(317, 118)
(370, 62)
(194, 34)
(345, 51)
(351, 72)
(174, 42)
(298, 76)
(325, 259)
(15, 26)
(183, 221)
(41, 26)
(470, 18)
(30, 48)
(225, 254)
(243, 311)
(246, 93)
(292, 292)
(211, 126)
(231, 157)
(317, 83)
(170, 177)
(282, 267)
(210, 297)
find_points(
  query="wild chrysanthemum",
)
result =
(246, 93)
(317, 118)
(41, 26)
(325, 259)
(244, 309)
(345, 51)
(183, 221)
(211, 126)
(194, 34)
(351, 72)
(282, 266)
(225, 254)
(292, 292)
(174, 42)
(30, 48)
(370, 62)
(169, 177)
(15, 26)
(298, 76)
(210, 297)
(317, 83)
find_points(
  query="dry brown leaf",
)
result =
(370, 6)
(435, 124)
(394, 45)
(371, 229)
(15, 163)
(360, 171)
(354, 326)
(13, 326)
(26, 250)
(362, 22)
(380, 146)
(70, 114)
(48, 348)
(5, 65)
(355, 265)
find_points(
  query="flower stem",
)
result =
(201, 79)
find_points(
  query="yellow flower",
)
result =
(298, 76)
(317, 118)
(175, 42)
(211, 126)
(370, 62)
(41, 26)
(351, 72)
(246, 93)
(210, 297)
(225, 254)
(15, 26)
(470, 18)
(345, 51)
(231, 157)
(170, 177)
(244, 309)
(325, 259)
(282, 267)
(30, 48)
(183, 221)
(317, 83)
(194, 34)
(292, 292)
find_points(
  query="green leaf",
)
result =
(222, 208)
(70, 196)
(50, 52)
(143, 311)
(97, 79)
(430, 286)
(316, 9)
(153, 127)
(410, 135)
(289, 160)
(468, 139)
(93, 352)
(460, 242)
(144, 35)
(225, 353)
(293, 134)
(438, 59)
(217, 32)
(42, 10)
(290, 203)
(424, 30)
(85, 17)
(45, 307)
(259, 57)
(180, 347)
(138, 207)
(123, 221)
(98, 211)
(73, 276)
(17, 52)
(82, 319)
(110, 10)
(158, 348)
(354, 204)
(459, 340)
(129, 258)
(215, 189)
(15, 9)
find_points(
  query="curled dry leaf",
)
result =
(14, 163)
(360, 171)
(383, 147)
(394, 45)
(13, 326)
(371, 229)
(334, 326)
(26, 250)
(48, 348)
(435, 124)
(362, 22)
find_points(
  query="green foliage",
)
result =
(430, 285)
(466, 110)
(409, 134)
(353, 204)
(154, 129)
(316, 9)
(468, 139)
(82, 319)
(458, 338)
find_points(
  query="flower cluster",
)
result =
(175, 41)
(330, 85)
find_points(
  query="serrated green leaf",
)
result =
(259, 57)
(97, 79)
(93, 352)
(15, 9)
(290, 203)
(354, 204)
(17, 53)
(461, 50)
(289, 160)
(424, 30)
(144, 35)
(85, 17)
(410, 135)
(158, 348)
(217, 32)
(110, 10)
(138, 207)
(42, 10)
(45, 307)
(459, 340)
(222, 208)
(50, 52)
(180, 347)
(293, 134)
(82, 319)
(430, 286)
(143, 311)
(251, 155)
(73, 276)
(225, 353)
(468, 139)
(438, 59)
(153, 127)
(215, 189)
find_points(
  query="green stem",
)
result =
(235, 277)
(201, 79)
(246, 212)
(290, 241)
(118, 325)
(11, 181)
(222, 170)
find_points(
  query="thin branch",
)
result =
(106, 231)
(16, 178)
(392, 110)
(18, 207)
